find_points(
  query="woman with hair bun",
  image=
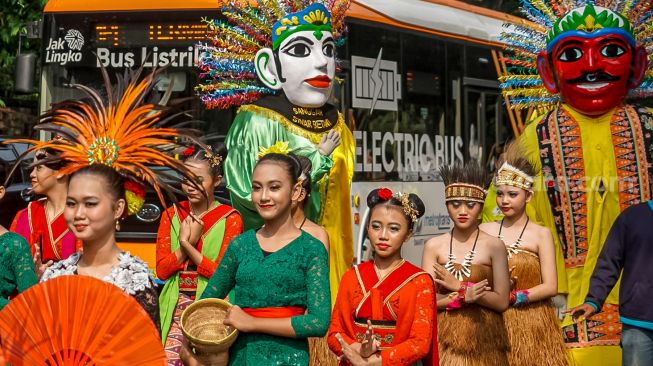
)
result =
(113, 148)
(192, 239)
(385, 309)
(279, 273)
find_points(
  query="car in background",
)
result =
(17, 191)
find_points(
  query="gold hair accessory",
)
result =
(407, 206)
(280, 147)
(512, 176)
(214, 159)
(464, 192)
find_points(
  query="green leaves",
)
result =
(14, 16)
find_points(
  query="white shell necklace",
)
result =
(514, 247)
(465, 269)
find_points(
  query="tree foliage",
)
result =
(14, 15)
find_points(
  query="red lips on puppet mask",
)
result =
(592, 74)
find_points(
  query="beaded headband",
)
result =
(512, 176)
(464, 192)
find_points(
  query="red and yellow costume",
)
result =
(186, 281)
(54, 239)
(401, 307)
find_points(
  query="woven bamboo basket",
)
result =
(201, 323)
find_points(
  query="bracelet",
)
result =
(464, 288)
(456, 304)
(519, 298)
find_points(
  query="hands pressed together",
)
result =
(364, 353)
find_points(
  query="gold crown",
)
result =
(464, 192)
(510, 175)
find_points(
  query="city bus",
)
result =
(419, 86)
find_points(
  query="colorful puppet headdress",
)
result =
(228, 75)
(132, 137)
(554, 20)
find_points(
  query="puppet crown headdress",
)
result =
(228, 74)
(555, 19)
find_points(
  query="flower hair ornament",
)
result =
(552, 21)
(228, 73)
(125, 134)
(280, 147)
(385, 194)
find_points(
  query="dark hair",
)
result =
(470, 173)
(114, 182)
(289, 161)
(50, 158)
(307, 166)
(200, 154)
(374, 199)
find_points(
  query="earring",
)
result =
(117, 225)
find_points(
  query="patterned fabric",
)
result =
(295, 275)
(221, 224)
(131, 275)
(590, 342)
(166, 259)
(564, 171)
(16, 266)
(403, 312)
(175, 336)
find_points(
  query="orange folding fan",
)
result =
(78, 320)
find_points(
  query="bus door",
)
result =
(484, 130)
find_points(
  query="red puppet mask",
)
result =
(592, 72)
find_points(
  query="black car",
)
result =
(17, 192)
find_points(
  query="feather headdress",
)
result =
(228, 75)
(522, 84)
(134, 138)
(465, 182)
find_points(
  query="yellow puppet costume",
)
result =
(594, 153)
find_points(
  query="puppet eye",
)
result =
(298, 50)
(570, 54)
(329, 50)
(612, 50)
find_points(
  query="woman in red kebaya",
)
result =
(385, 310)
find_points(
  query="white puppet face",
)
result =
(306, 67)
